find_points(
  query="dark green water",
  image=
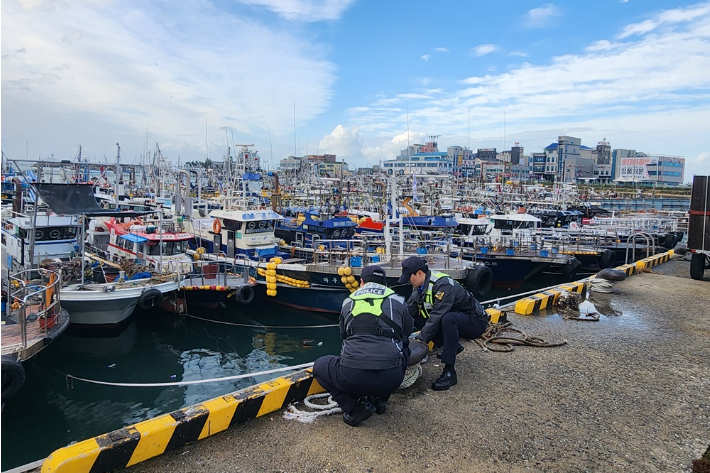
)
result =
(153, 348)
(159, 348)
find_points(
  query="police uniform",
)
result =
(374, 327)
(445, 312)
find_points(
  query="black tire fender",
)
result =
(479, 280)
(245, 294)
(13, 377)
(150, 299)
(570, 270)
(670, 240)
(607, 258)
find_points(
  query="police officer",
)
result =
(444, 311)
(374, 325)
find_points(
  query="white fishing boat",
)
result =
(109, 304)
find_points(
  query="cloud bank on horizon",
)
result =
(351, 78)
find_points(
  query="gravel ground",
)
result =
(627, 393)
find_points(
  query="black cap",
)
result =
(374, 273)
(410, 266)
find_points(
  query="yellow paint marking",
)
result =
(155, 435)
(276, 391)
(525, 306)
(78, 457)
(221, 413)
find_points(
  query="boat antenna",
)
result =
(295, 153)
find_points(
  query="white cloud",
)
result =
(172, 68)
(425, 57)
(518, 53)
(442, 50)
(483, 49)
(541, 16)
(602, 45)
(305, 10)
(648, 92)
(667, 17)
(344, 142)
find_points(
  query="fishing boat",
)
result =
(109, 304)
(32, 318)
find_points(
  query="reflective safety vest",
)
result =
(428, 305)
(368, 302)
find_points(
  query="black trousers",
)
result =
(455, 325)
(347, 385)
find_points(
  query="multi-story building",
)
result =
(292, 164)
(629, 165)
(426, 160)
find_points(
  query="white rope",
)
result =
(601, 285)
(199, 381)
(307, 417)
(411, 375)
(331, 407)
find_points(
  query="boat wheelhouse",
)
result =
(159, 245)
(54, 236)
(234, 232)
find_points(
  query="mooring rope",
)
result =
(331, 407)
(71, 378)
(261, 326)
(503, 338)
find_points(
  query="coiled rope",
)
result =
(331, 407)
(601, 285)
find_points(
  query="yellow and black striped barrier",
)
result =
(653, 260)
(544, 299)
(139, 442)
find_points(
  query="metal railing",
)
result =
(31, 295)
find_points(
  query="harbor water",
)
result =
(52, 411)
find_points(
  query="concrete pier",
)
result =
(628, 392)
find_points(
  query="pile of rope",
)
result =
(331, 407)
(317, 409)
(504, 338)
(601, 285)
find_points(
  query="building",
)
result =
(629, 165)
(426, 160)
(291, 164)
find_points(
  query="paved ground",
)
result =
(627, 393)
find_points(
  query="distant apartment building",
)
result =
(291, 164)
(426, 160)
(487, 154)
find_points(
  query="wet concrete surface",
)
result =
(627, 393)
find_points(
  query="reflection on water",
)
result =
(152, 348)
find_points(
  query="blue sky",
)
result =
(195, 76)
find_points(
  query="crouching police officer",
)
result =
(444, 311)
(374, 325)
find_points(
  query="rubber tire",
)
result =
(670, 240)
(607, 259)
(13, 377)
(697, 265)
(479, 280)
(245, 295)
(571, 268)
(150, 299)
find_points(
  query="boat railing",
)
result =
(34, 301)
(217, 273)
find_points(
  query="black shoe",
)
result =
(459, 349)
(445, 381)
(380, 405)
(362, 411)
